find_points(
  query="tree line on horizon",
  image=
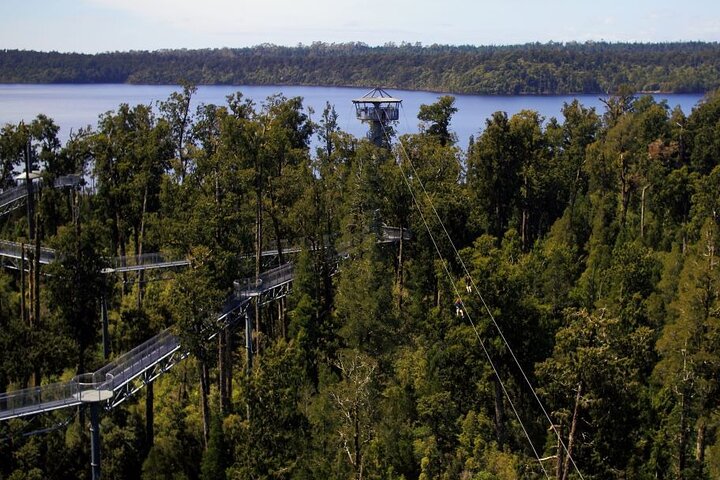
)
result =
(593, 239)
(534, 68)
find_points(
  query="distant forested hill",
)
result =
(552, 68)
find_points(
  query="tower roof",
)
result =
(376, 96)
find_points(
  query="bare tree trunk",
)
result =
(149, 415)
(356, 443)
(224, 368)
(278, 239)
(36, 289)
(400, 276)
(30, 205)
(258, 261)
(228, 367)
(700, 446)
(642, 211)
(139, 248)
(204, 394)
(281, 317)
(682, 441)
(123, 251)
(559, 460)
(525, 215)
(499, 413)
(624, 190)
(573, 429)
(23, 312)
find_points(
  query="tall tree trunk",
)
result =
(499, 413)
(123, 251)
(139, 248)
(573, 430)
(642, 211)
(258, 260)
(149, 415)
(700, 447)
(30, 205)
(525, 215)
(682, 441)
(400, 274)
(224, 368)
(23, 309)
(559, 459)
(278, 234)
(36, 289)
(358, 446)
(624, 190)
(204, 394)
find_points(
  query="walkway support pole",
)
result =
(95, 440)
(248, 338)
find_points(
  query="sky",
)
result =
(93, 26)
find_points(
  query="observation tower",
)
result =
(378, 109)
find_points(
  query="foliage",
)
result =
(533, 68)
(581, 251)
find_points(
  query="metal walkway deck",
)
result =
(11, 255)
(129, 372)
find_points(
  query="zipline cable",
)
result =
(489, 312)
(457, 293)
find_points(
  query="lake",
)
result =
(75, 106)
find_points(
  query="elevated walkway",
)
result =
(147, 261)
(13, 198)
(130, 372)
(11, 255)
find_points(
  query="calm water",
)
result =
(75, 106)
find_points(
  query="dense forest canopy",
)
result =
(551, 68)
(579, 255)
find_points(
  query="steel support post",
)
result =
(95, 440)
(248, 338)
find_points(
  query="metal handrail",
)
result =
(144, 260)
(15, 250)
(248, 287)
(54, 396)
(13, 194)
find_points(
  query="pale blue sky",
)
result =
(111, 25)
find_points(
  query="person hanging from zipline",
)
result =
(468, 284)
(459, 311)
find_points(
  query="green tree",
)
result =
(492, 177)
(176, 112)
(436, 119)
(76, 285)
(196, 303)
(215, 458)
(354, 399)
(690, 361)
(598, 417)
(270, 441)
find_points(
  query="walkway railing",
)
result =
(131, 364)
(15, 250)
(12, 198)
(145, 261)
(251, 287)
(89, 387)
